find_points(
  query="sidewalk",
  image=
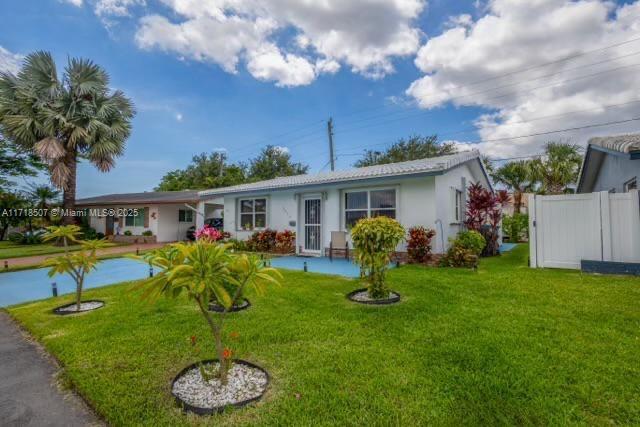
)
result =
(28, 393)
(38, 259)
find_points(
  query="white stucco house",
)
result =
(166, 214)
(428, 192)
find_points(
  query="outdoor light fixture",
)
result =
(6, 265)
(54, 289)
(137, 251)
(305, 266)
(150, 270)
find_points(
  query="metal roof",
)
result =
(622, 143)
(413, 167)
(151, 197)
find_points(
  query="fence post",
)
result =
(605, 226)
(634, 233)
(533, 258)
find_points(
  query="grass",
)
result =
(9, 249)
(505, 345)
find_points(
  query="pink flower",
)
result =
(208, 233)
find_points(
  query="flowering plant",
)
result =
(484, 214)
(419, 243)
(285, 241)
(208, 233)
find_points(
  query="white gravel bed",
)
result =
(363, 296)
(245, 382)
(84, 306)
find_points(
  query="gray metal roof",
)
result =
(622, 143)
(151, 197)
(412, 167)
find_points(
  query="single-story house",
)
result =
(428, 192)
(611, 164)
(166, 214)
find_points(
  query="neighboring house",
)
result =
(167, 214)
(611, 164)
(428, 192)
(510, 208)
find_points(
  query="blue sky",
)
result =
(188, 103)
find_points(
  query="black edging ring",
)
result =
(219, 309)
(186, 407)
(58, 311)
(394, 299)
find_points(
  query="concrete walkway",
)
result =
(28, 392)
(38, 259)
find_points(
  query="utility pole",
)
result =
(330, 132)
(221, 165)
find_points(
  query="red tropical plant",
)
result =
(285, 241)
(484, 213)
(419, 244)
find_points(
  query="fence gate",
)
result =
(568, 228)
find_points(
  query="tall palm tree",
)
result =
(43, 196)
(65, 120)
(559, 167)
(518, 177)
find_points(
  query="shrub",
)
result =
(147, 233)
(484, 213)
(465, 250)
(89, 233)
(375, 240)
(262, 241)
(419, 244)
(128, 233)
(27, 238)
(285, 241)
(208, 233)
(238, 245)
(99, 235)
(516, 226)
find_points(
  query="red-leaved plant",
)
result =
(484, 213)
(419, 244)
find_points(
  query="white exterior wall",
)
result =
(169, 229)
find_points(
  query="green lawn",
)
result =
(14, 250)
(506, 345)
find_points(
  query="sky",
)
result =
(501, 76)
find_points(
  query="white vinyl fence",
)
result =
(565, 229)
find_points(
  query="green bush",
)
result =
(375, 240)
(89, 234)
(465, 250)
(128, 233)
(516, 226)
(238, 245)
(147, 233)
(27, 238)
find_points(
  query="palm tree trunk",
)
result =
(517, 202)
(69, 195)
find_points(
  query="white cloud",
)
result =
(281, 149)
(76, 3)
(10, 61)
(179, 117)
(365, 35)
(514, 35)
(110, 8)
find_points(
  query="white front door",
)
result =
(312, 225)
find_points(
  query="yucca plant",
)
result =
(206, 271)
(76, 264)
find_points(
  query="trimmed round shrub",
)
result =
(465, 250)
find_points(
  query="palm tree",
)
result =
(518, 177)
(559, 167)
(65, 120)
(43, 196)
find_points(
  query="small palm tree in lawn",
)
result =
(76, 264)
(206, 271)
(518, 176)
(64, 118)
(43, 196)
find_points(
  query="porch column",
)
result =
(200, 215)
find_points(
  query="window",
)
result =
(185, 215)
(253, 213)
(632, 184)
(369, 203)
(135, 220)
(458, 205)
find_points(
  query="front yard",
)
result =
(506, 345)
(14, 250)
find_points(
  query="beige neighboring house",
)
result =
(167, 214)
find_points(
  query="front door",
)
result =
(312, 225)
(109, 226)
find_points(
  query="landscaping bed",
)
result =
(505, 345)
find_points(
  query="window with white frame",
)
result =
(135, 220)
(185, 215)
(368, 203)
(458, 206)
(253, 213)
(632, 184)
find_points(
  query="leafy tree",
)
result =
(10, 200)
(43, 196)
(517, 176)
(205, 171)
(14, 163)
(65, 119)
(206, 271)
(416, 147)
(558, 169)
(274, 162)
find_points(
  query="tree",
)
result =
(205, 171)
(558, 168)
(274, 162)
(416, 147)
(14, 163)
(484, 213)
(518, 177)
(63, 120)
(206, 271)
(43, 196)
(8, 201)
